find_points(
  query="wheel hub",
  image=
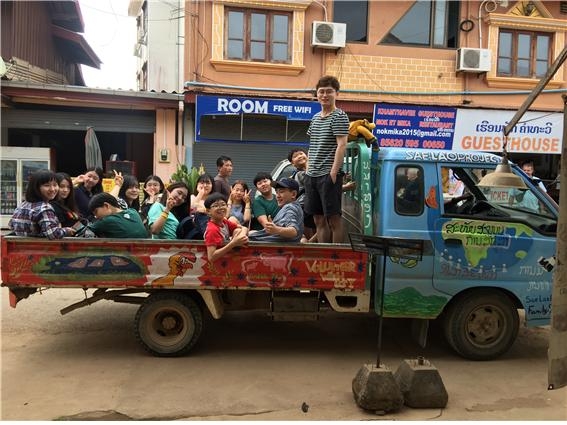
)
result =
(483, 326)
(168, 323)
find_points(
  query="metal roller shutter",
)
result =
(123, 122)
(247, 158)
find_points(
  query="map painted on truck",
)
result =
(473, 253)
(476, 252)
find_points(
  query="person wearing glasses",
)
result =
(222, 235)
(328, 133)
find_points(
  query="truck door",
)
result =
(404, 213)
(486, 238)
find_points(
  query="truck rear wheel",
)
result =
(168, 324)
(481, 325)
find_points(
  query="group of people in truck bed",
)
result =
(306, 205)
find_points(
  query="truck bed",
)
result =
(135, 263)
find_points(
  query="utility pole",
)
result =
(557, 352)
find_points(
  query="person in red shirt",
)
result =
(222, 235)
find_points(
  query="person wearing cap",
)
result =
(287, 225)
(221, 235)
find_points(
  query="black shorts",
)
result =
(322, 196)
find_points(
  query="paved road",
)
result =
(87, 364)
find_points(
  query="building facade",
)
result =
(45, 103)
(160, 44)
(463, 67)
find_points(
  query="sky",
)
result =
(111, 33)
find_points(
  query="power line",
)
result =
(130, 17)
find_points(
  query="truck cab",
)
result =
(487, 251)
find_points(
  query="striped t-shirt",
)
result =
(323, 132)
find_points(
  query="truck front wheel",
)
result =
(481, 325)
(168, 324)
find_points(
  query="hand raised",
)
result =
(118, 178)
(271, 228)
(151, 190)
(170, 202)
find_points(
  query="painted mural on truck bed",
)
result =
(174, 264)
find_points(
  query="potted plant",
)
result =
(189, 177)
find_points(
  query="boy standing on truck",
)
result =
(221, 235)
(328, 134)
(287, 225)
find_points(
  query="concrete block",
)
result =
(374, 388)
(421, 384)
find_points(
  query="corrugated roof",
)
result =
(56, 94)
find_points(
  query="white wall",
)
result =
(163, 45)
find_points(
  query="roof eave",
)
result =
(85, 55)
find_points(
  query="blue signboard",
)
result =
(406, 126)
(290, 110)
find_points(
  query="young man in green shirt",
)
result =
(264, 207)
(114, 222)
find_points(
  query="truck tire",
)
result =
(168, 324)
(481, 325)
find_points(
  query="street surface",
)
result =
(88, 365)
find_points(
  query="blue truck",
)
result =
(485, 254)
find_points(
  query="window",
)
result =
(523, 54)
(409, 191)
(427, 23)
(491, 203)
(355, 15)
(258, 35)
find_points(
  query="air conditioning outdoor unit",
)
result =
(328, 35)
(473, 60)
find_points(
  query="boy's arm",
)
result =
(239, 238)
(285, 232)
(339, 156)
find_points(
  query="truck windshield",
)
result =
(462, 195)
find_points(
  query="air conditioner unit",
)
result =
(473, 60)
(328, 35)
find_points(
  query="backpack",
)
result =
(192, 226)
